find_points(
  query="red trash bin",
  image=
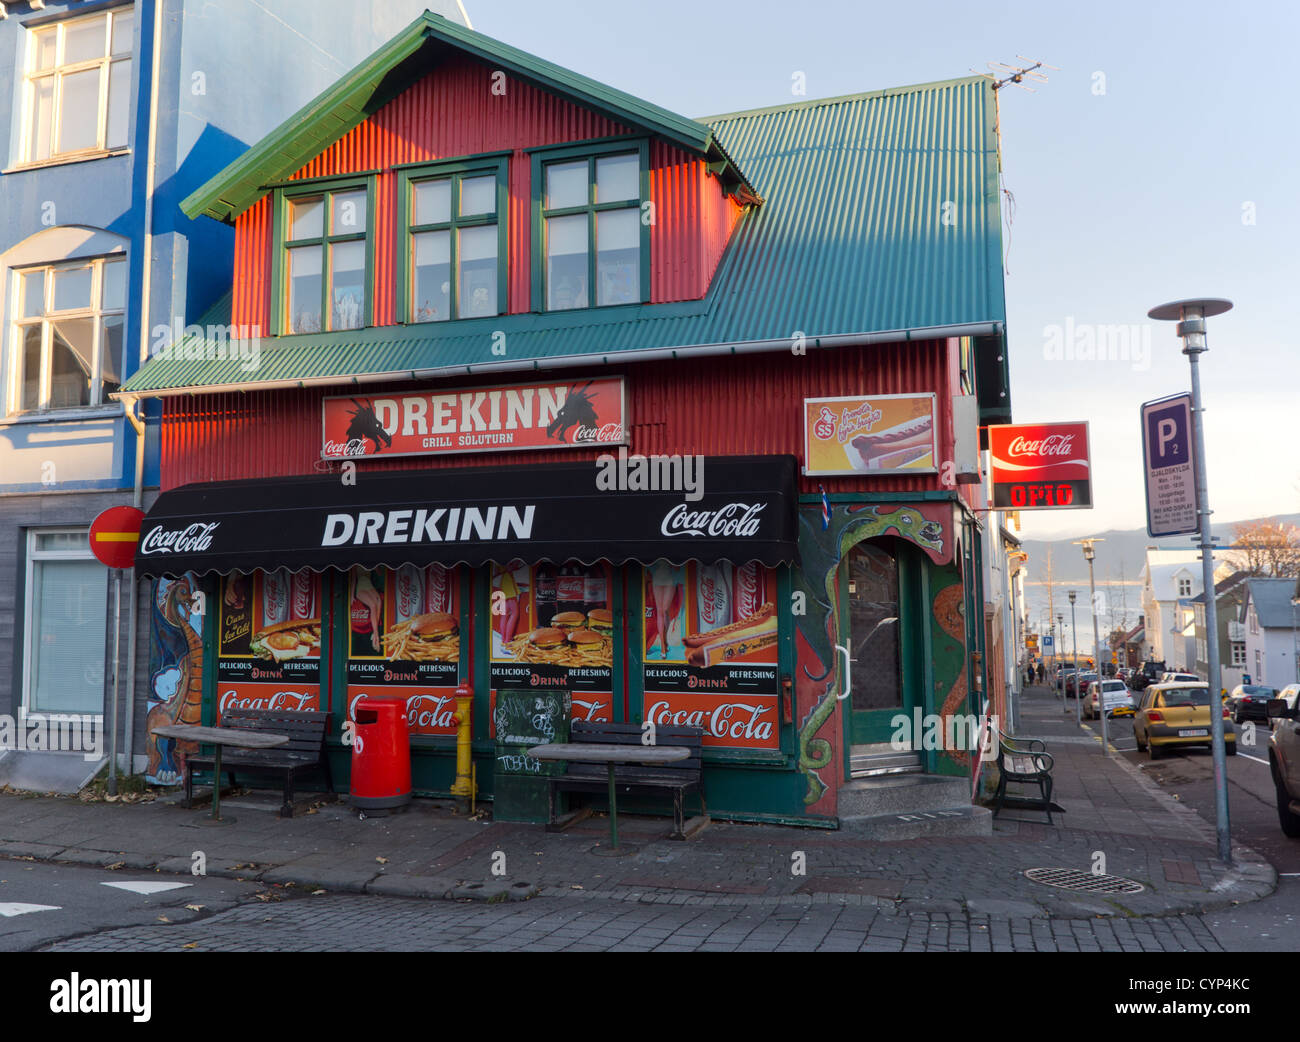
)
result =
(381, 755)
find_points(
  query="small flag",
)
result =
(826, 509)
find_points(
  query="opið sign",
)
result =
(1040, 466)
(507, 418)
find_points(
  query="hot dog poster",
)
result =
(709, 649)
(553, 626)
(881, 434)
(404, 641)
(268, 641)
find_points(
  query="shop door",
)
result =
(876, 601)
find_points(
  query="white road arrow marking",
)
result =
(12, 908)
(146, 887)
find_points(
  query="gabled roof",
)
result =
(1224, 585)
(411, 54)
(850, 246)
(1272, 600)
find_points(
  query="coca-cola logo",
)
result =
(1052, 445)
(590, 712)
(191, 539)
(354, 447)
(732, 721)
(233, 699)
(734, 519)
(608, 434)
(303, 602)
(427, 712)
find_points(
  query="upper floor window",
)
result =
(590, 238)
(325, 257)
(65, 347)
(78, 86)
(454, 244)
(1184, 587)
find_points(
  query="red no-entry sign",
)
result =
(114, 536)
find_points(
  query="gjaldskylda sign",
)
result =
(1040, 466)
(559, 415)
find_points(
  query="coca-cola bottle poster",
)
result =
(553, 626)
(710, 646)
(405, 641)
(269, 640)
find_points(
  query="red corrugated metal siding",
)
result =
(718, 216)
(715, 406)
(453, 112)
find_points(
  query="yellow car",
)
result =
(1178, 714)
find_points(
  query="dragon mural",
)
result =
(175, 675)
(821, 550)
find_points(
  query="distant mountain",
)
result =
(1121, 549)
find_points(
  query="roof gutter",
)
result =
(656, 354)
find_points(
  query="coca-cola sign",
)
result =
(266, 696)
(733, 520)
(1039, 466)
(746, 722)
(193, 538)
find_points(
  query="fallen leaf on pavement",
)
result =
(163, 919)
(382, 860)
(195, 908)
(192, 944)
(115, 866)
(315, 892)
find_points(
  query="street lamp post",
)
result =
(1060, 656)
(1074, 661)
(1190, 316)
(1089, 553)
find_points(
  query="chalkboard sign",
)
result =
(524, 718)
(532, 717)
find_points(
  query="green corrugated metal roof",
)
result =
(881, 215)
(374, 82)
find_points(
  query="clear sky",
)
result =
(1162, 161)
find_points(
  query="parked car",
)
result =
(1174, 715)
(1077, 683)
(1171, 677)
(1290, 695)
(1249, 702)
(1284, 758)
(1113, 694)
(1061, 673)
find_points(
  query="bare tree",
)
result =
(1266, 548)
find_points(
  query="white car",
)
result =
(1291, 694)
(1113, 693)
(1178, 678)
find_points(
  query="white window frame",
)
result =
(58, 71)
(96, 313)
(1238, 653)
(35, 557)
(1184, 587)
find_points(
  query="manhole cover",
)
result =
(1073, 879)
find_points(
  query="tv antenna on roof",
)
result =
(1017, 74)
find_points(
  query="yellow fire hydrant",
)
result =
(464, 788)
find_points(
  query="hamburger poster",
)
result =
(269, 641)
(404, 641)
(882, 434)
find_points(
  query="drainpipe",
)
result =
(134, 408)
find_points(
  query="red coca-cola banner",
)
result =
(231, 695)
(1040, 466)
(738, 721)
(510, 417)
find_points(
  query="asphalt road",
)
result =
(1188, 774)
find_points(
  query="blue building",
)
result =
(111, 112)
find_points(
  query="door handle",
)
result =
(848, 677)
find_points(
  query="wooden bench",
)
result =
(304, 752)
(678, 778)
(1024, 761)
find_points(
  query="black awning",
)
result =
(582, 510)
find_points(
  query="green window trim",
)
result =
(408, 176)
(325, 188)
(591, 151)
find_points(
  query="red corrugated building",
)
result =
(476, 298)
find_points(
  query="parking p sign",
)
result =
(1168, 454)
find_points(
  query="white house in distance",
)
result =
(1271, 628)
(1170, 579)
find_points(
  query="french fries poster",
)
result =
(883, 434)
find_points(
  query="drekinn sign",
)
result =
(1040, 466)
